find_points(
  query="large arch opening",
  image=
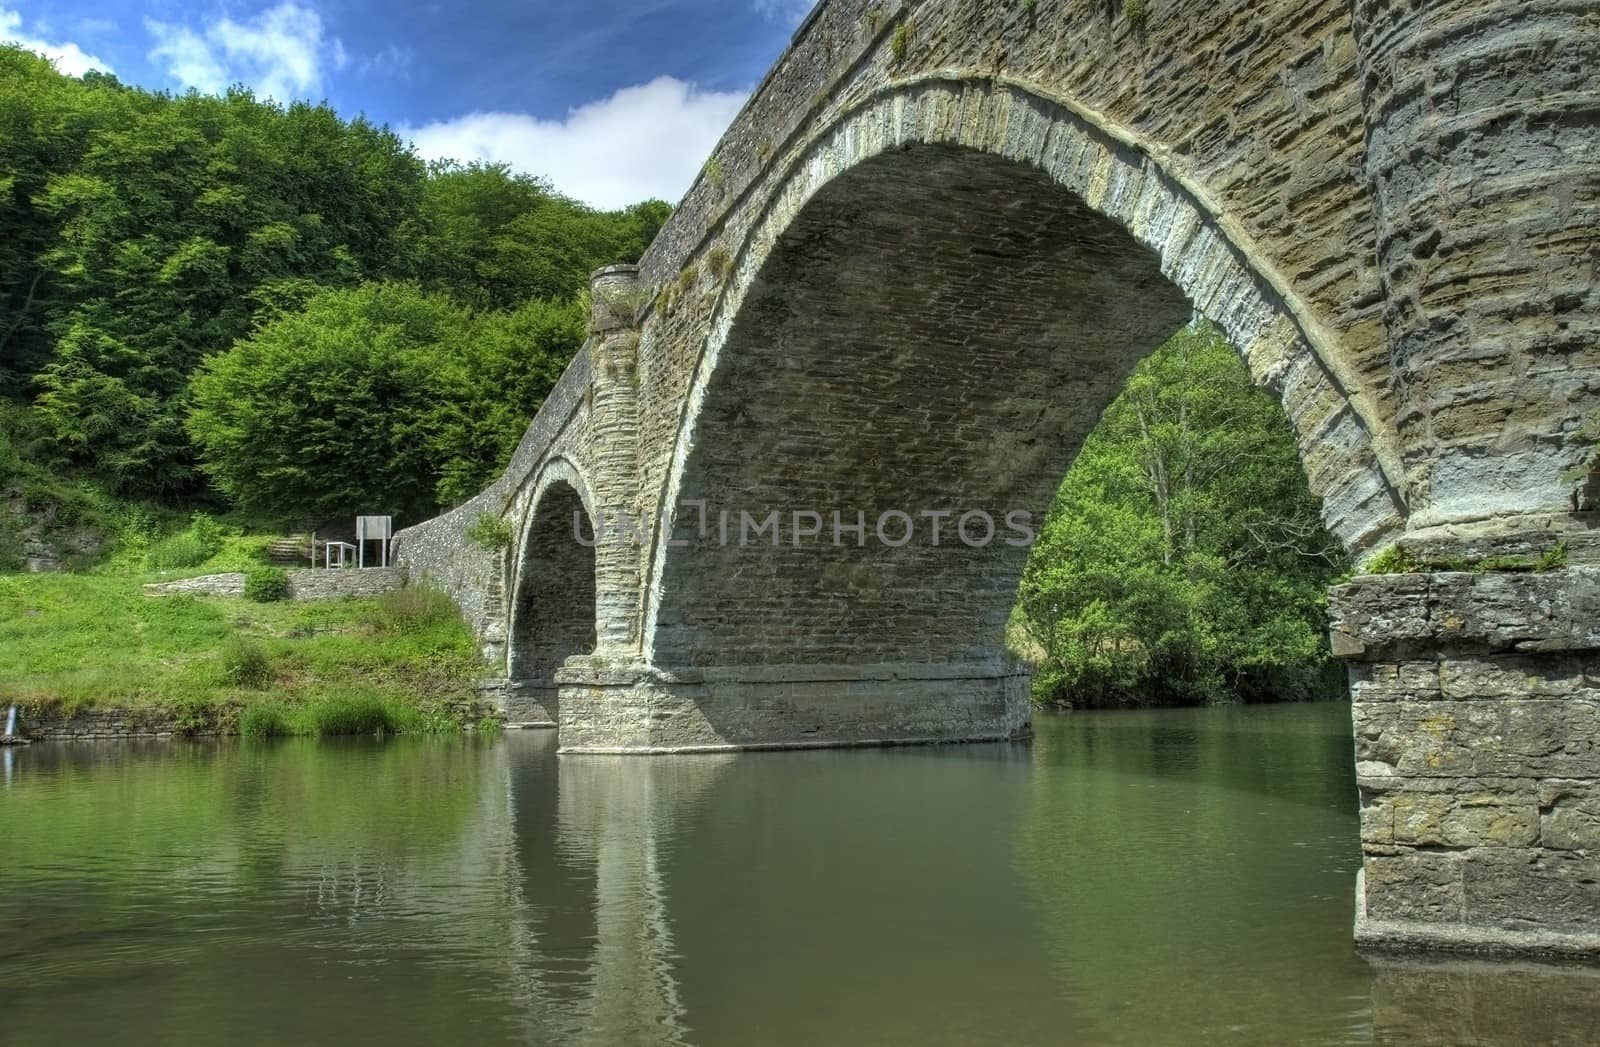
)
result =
(935, 333)
(925, 345)
(553, 611)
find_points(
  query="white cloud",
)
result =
(68, 57)
(644, 141)
(279, 52)
(791, 11)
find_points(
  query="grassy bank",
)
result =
(401, 662)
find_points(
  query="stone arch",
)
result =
(1080, 173)
(552, 612)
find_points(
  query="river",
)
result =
(1172, 877)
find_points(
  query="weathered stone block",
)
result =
(1415, 885)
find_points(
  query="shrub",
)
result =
(246, 663)
(350, 716)
(1393, 560)
(189, 548)
(266, 584)
(180, 550)
(263, 721)
(406, 612)
(490, 531)
(900, 43)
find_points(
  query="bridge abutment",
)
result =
(1476, 702)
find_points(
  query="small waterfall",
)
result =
(11, 723)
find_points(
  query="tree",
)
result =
(494, 239)
(148, 231)
(380, 398)
(1185, 559)
(142, 234)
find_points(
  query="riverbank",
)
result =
(95, 656)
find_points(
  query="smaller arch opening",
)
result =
(554, 613)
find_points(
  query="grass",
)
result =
(395, 663)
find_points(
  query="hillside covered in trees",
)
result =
(143, 234)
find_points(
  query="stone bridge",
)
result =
(920, 264)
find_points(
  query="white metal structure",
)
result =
(373, 529)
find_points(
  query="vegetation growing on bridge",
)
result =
(1185, 559)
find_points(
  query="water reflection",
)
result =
(1421, 1003)
(1177, 878)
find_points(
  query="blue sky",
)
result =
(613, 102)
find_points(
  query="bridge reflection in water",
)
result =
(1127, 879)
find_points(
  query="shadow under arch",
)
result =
(553, 593)
(937, 301)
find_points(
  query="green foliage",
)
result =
(351, 715)
(1184, 560)
(415, 611)
(159, 229)
(900, 42)
(490, 532)
(189, 548)
(491, 239)
(1553, 560)
(1399, 560)
(178, 551)
(1393, 560)
(245, 663)
(720, 263)
(263, 720)
(97, 641)
(265, 584)
(1135, 12)
(141, 234)
(713, 174)
(378, 398)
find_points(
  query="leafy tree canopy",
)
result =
(379, 398)
(141, 233)
(1185, 559)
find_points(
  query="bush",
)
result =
(189, 548)
(266, 584)
(490, 532)
(406, 612)
(263, 721)
(180, 550)
(246, 663)
(350, 716)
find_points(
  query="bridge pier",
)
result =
(645, 710)
(1476, 697)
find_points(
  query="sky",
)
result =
(612, 102)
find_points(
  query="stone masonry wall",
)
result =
(304, 584)
(1477, 723)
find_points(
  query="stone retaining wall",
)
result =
(304, 584)
(52, 722)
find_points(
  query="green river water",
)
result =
(1172, 877)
